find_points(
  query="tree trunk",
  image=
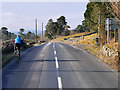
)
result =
(119, 48)
(116, 35)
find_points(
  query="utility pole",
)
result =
(36, 30)
(42, 31)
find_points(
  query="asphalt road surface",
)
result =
(56, 65)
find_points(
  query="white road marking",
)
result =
(61, 45)
(54, 45)
(56, 61)
(57, 67)
(75, 47)
(42, 55)
(59, 83)
(46, 46)
(56, 58)
(55, 52)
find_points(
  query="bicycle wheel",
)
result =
(18, 56)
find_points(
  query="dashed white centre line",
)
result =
(56, 58)
(59, 83)
(54, 45)
(57, 67)
(55, 52)
(56, 61)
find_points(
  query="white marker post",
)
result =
(107, 23)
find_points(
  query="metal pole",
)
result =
(36, 30)
(107, 30)
(119, 31)
(42, 31)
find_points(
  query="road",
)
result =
(56, 65)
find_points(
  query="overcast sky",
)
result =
(16, 15)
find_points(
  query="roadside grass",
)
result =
(88, 40)
(113, 46)
(71, 36)
(110, 60)
(96, 51)
(7, 57)
(8, 49)
(29, 41)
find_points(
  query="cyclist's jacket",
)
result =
(18, 40)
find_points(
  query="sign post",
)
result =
(107, 28)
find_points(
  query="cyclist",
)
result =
(17, 43)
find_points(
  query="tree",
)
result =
(95, 16)
(0, 34)
(21, 32)
(9, 35)
(72, 32)
(61, 23)
(32, 36)
(4, 31)
(13, 35)
(28, 35)
(54, 29)
(51, 29)
(80, 28)
(5, 35)
(66, 32)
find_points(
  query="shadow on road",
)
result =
(50, 60)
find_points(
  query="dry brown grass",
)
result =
(71, 36)
(110, 60)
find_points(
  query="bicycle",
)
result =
(17, 53)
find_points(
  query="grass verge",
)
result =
(6, 58)
(110, 60)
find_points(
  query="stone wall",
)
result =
(109, 52)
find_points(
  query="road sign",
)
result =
(113, 27)
(112, 23)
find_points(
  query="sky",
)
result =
(16, 15)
